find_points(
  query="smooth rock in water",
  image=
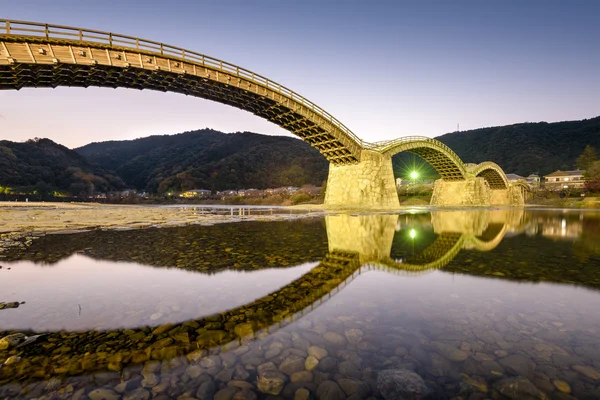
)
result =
(193, 371)
(244, 329)
(103, 394)
(519, 388)
(137, 394)
(272, 353)
(331, 391)
(241, 384)
(228, 359)
(518, 364)
(354, 335)
(317, 352)
(500, 353)
(301, 376)
(450, 352)
(11, 340)
(334, 338)
(150, 380)
(311, 363)
(206, 391)
(562, 386)
(349, 368)
(155, 316)
(328, 364)
(162, 329)
(266, 367)
(12, 360)
(400, 384)
(587, 371)
(211, 361)
(225, 375)
(476, 382)
(302, 394)
(12, 304)
(292, 364)
(240, 372)
(226, 393)
(245, 394)
(271, 382)
(354, 387)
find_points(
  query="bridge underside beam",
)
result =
(447, 168)
(494, 179)
(35, 63)
(367, 184)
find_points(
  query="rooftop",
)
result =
(511, 177)
(576, 172)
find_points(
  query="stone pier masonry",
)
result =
(367, 184)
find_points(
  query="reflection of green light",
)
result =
(414, 175)
(413, 234)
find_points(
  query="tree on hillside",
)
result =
(592, 177)
(586, 158)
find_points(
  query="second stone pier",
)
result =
(367, 184)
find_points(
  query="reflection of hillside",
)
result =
(240, 246)
(536, 259)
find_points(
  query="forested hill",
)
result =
(209, 159)
(42, 166)
(529, 147)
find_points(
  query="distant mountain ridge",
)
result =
(527, 147)
(210, 159)
(43, 166)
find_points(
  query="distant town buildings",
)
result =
(248, 193)
(561, 180)
(196, 194)
(533, 181)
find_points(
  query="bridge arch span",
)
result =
(42, 55)
(445, 161)
(492, 173)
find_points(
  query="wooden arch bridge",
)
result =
(36, 54)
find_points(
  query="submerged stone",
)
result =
(519, 388)
(330, 390)
(271, 382)
(400, 384)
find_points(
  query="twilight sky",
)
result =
(384, 68)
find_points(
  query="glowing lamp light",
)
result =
(414, 175)
(413, 234)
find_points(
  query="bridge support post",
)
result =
(369, 236)
(469, 192)
(474, 192)
(513, 196)
(368, 184)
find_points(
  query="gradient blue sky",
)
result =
(385, 69)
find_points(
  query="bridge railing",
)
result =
(386, 144)
(59, 32)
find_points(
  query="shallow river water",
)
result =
(463, 304)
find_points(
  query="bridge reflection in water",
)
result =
(357, 244)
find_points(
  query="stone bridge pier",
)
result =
(474, 191)
(366, 184)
